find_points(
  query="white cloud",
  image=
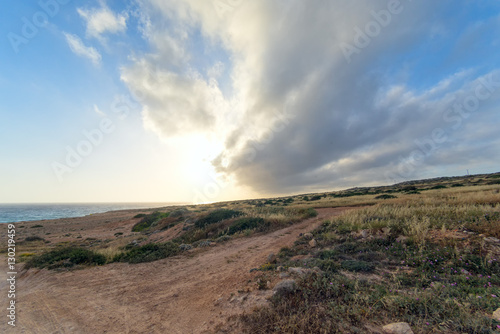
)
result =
(102, 20)
(76, 45)
(347, 122)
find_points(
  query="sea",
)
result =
(11, 213)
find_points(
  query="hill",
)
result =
(422, 252)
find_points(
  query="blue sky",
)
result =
(186, 100)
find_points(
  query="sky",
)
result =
(201, 101)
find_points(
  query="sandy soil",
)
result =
(191, 293)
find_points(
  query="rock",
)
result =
(271, 258)
(397, 328)
(301, 272)
(313, 243)
(284, 275)
(297, 271)
(308, 236)
(364, 233)
(185, 247)
(496, 314)
(285, 286)
(386, 230)
(205, 243)
(280, 268)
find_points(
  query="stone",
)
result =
(205, 243)
(308, 236)
(271, 258)
(185, 247)
(284, 275)
(313, 243)
(397, 328)
(496, 314)
(285, 286)
(297, 271)
(364, 233)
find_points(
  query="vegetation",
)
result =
(148, 253)
(217, 216)
(247, 223)
(34, 238)
(422, 260)
(148, 220)
(66, 257)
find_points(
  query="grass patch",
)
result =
(385, 196)
(423, 269)
(34, 238)
(248, 223)
(66, 258)
(148, 220)
(148, 253)
(217, 216)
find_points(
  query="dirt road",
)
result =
(184, 294)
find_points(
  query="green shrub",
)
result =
(36, 226)
(385, 196)
(217, 216)
(247, 223)
(148, 253)
(307, 212)
(34, 238)
(149, 220)
(140, 215)
(357, 266)
(439, 186)
(66, 257)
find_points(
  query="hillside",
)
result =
(422, 252)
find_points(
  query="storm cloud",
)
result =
(317, 95)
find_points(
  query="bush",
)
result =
(36, 226)
(357, 266)
(34, 238)
(148, 253)
(140, 215)
(217, 216)
(307, 212)
(149, 220)
(247, 223)
(66, 257)
(385, 196)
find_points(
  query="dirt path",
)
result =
(183, 294)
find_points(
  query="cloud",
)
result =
(76, 45)
(102, 20)
(299, 115)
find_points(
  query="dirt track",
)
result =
(184, 294)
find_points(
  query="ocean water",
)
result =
(11, 213)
